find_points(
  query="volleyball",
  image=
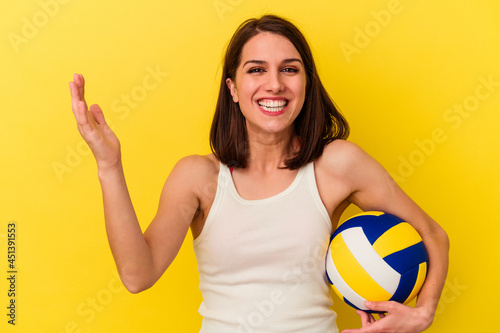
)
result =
(376, 256)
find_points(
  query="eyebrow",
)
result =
(262, 62)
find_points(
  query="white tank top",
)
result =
(262, 262)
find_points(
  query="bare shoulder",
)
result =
(203, 164)
(190, 184)
(334, 177)
(341, 156)
(196, 170)
(345, 163)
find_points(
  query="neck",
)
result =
(269, 152)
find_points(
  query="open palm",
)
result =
(93, 127)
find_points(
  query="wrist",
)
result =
(426, 313)
(110, 171)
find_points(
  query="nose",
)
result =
(274, 82)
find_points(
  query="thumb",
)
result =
(97, 114)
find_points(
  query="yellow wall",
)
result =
(419, 82)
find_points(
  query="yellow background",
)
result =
(396, 77)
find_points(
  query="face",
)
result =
(270, 84)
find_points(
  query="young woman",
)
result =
(262, 207)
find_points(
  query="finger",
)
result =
(75, 97)
(371, 318)
(80, 82)
(82, 86)
(76, 85)
(97, 114)
(79, 107)
(367, 319)
(380, 306)
(82, 115)
(77, 94)
(86, 123)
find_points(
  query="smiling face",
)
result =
(270, 84)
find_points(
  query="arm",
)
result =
(372, 188)
(140, 259)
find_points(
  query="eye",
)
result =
(290, 70)
(255, 70)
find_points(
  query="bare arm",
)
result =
(140, 259)
(372, 188)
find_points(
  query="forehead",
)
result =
(268, 47)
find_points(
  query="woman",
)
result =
(261, 208)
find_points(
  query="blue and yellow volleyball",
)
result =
(376, 256)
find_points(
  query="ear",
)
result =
(232, 88)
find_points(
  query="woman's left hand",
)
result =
(398, 318)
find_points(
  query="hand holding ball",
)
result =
(376, 256)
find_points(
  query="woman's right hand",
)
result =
(93, 127)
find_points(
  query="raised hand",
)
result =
(93, 127)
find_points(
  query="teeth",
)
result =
(272, 105)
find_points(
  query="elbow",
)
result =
(444, 238)
(438, 240)
(134, 288)
(136, 284)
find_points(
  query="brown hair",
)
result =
(318, 123)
